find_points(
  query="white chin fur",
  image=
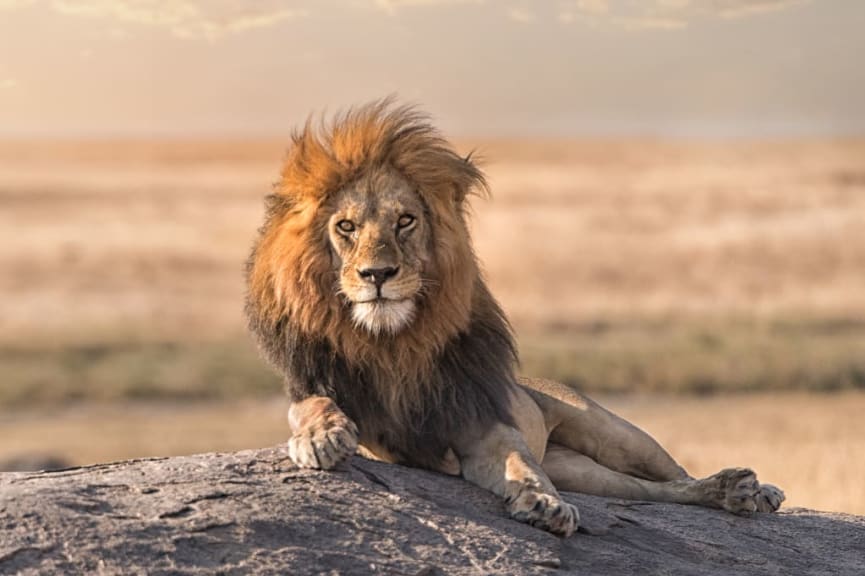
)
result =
(389, 316)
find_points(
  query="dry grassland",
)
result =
(625, 267)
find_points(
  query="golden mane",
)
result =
(291, 279)
(323, 160)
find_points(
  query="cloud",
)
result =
(209, 19)
(662, 14)
(391, 6)
(12, 4)
(520, 14)
(592, 6)
(633, 15)
(400, 3)
(652, 23)
(730, 9)
(213, 19)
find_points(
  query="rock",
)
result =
(254, 512)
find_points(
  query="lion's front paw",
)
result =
(733, 489)
(545, 511)
(324, 444)
(769, 498)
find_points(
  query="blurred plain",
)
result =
(684, 254)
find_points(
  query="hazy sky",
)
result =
(485, 68)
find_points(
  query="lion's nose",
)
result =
(378, 276)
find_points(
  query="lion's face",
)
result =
(380, 240)
(366, 238)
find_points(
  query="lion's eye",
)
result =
(405, 221)
(345, 226)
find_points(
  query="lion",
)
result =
(365, 293)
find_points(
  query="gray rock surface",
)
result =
(253, 512)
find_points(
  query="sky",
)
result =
(485, 68)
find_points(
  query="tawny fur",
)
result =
(290, 273)
(429, 378)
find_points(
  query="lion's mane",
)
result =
(444, 375)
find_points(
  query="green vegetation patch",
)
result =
(686, 357)
(179, 370)
(701, 357)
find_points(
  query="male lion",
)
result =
(364, 290)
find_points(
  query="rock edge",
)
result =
(254, 512)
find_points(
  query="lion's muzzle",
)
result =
(383, 301)
(378, 276)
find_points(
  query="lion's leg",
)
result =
(583, 425)
(501, 462)
(735, 489)
(322, 435)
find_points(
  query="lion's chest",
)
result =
(396, 425)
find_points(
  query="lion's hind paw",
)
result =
(769, 498)
(736, 490)
(546, 512)
(733, 489)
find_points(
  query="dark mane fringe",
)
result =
(451, 370)
(468, 387)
